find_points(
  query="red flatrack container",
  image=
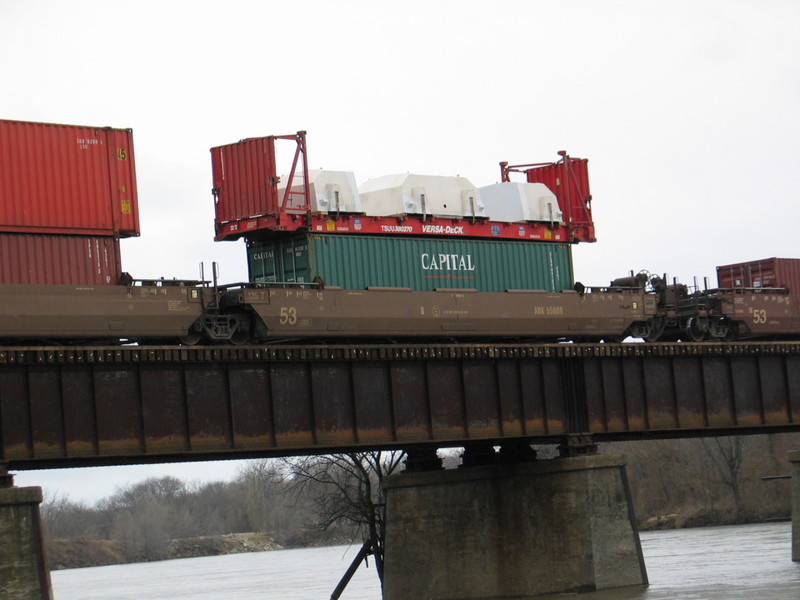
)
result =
(59, 259)
(67, 179)
(247, 200)
(765, 273)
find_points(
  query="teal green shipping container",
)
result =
(357, 262)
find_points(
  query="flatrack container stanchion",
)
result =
(300, 153)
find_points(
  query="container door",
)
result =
(295, 261)
(122, 173)
(262, 262)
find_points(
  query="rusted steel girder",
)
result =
(89, 406)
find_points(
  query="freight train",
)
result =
(64, 212)
(195, 312)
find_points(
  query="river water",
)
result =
(750, 562)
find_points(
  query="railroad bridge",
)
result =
(83, 406)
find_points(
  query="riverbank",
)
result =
(704, 518)
(73, 554)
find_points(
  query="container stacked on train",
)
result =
(412, 231)
(67, 196)
(766, 273)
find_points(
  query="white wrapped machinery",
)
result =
(410, 194)
(513, 202)
(330, 191)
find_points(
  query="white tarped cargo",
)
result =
(410, 194)
(331, 192)
(512, 202)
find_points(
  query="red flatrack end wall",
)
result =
(568, 179)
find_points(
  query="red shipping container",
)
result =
(765, 273)
(67, 179)
(59, 259)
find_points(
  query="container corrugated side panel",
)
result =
(59, 259)
(768, 273)
(243, 179)
(67, 179)
(788, 274)
(356, 262)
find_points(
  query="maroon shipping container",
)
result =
(67, 179)
(59, 259)
(765, 273)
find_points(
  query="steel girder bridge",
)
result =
(83, 406)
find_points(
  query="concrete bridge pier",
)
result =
(794, 458)
(511, 530)
(23, 565)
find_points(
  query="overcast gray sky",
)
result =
(689, 112)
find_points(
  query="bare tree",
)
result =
(64, 518)
(145, 516)
(726, 458)
(348, 489)
(261, 489)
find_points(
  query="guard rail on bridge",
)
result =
(71, 406)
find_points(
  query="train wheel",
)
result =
(730, 331)
(239, 337)
(193, 336)
(656, 330)
(693, 331)
(639, 330)
(190, 339)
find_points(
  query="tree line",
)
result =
(302, 501)
(334, 499)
